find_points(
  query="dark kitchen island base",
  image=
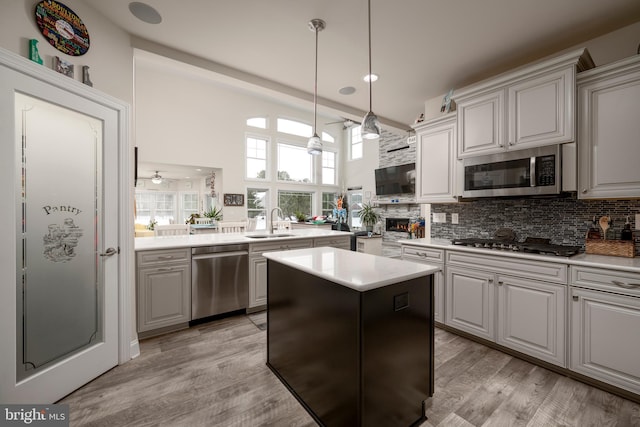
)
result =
(351, 357)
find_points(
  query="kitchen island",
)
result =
(351, 334)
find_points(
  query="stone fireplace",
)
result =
(397, 224)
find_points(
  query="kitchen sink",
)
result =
(266, 236)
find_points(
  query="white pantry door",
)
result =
(59, 237)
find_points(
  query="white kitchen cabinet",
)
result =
(470, 301)
(608, 129)
(163, 289)
(430, 256)
(517, 303)
(541, 110)
(528, 107)
(605, 325)
(369, 245)
(605, 337)
(481, 126)
(341, 242)
(438, 170)
(258, 267)
(531, 318)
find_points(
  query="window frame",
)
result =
(257, 136)
(312, 164)
(351, 143)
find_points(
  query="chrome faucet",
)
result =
(271, 218)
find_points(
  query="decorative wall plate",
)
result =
(62, 28)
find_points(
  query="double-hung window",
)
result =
(355, 143)
(256, 166)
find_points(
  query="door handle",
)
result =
(110, 252)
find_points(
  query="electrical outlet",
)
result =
(454, 218)
(439, 217)
(637, 221)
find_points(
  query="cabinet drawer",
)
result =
(422, 254)
(280, 245)
(163, 256)
(335, 242)
(539, 270)
(606, 280)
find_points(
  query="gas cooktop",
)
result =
(530, 245)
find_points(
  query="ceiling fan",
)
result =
(346, 123)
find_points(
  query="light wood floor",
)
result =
(214, 374)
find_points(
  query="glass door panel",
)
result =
(59, 273)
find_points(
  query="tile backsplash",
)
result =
(565, 220)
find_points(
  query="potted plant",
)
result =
(214, 213)
(368, 216)
(300, 216)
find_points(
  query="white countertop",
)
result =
(194, 240)
(587, 260)
(356, 270)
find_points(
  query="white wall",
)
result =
(185, 117)
(110, 56)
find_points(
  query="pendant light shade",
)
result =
(314, 146)
(156, 178)
(370, 128)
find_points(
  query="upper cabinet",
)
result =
(437, 166)
(608, 129)
(531, 106)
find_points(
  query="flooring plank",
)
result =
(215, 374)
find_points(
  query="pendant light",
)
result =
(156, 178)
(314, 146)
(370, 128)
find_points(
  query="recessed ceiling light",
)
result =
(144, 12)
(347, 90)
(374, 77)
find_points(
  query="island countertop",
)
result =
(356, 270)
(194, 240)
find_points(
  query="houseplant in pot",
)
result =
(368, 216)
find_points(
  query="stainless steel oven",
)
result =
(528, 172)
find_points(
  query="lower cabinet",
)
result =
(523, 314)
(163, 288)
(369, 245)
(531, 318)
(258, 267)
(605, 326)
(470, 301)
(432, 257)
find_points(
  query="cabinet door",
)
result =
(257, 281)
(470, 301)
(531, 318)
(481, 124)
(164, 296)
(541, 110)
(608, 129)
(438, 280)
(605, 337)
(437, 164)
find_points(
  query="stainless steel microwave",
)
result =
(529, 172)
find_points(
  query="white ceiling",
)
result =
(421, 48)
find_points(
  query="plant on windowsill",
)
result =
(368, 216)
(300, 216)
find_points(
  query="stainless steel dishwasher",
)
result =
(219, 279)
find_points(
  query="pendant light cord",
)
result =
(370, 78)
(315, 90)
